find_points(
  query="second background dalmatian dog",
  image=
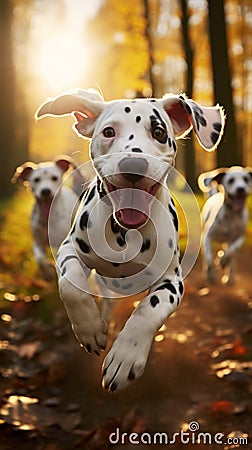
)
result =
(224, 218)
(127, 227)
(45, 180)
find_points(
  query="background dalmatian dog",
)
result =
(45, 182)
(224, 216)
(127, 219)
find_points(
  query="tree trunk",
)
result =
(7, 95)
(229, 153)
(148, 35)
(189, 151)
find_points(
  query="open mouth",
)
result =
(45, 205)
(238, 201)
(132, 205)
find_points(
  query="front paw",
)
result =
(91, 333)
(126, 361)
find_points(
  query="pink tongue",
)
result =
(239, 203)
(131, 218)
(132, 207)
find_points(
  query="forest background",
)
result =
(125, 49)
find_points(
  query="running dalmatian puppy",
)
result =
(127, 227)
(45, 182)
(224, 217)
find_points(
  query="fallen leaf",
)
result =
(29, 349)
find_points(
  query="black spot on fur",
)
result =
(214, 137)
(181, 287)
(169, 142)
(127, 286)
(131, 137)
(138, 119)
(187, 108)
(174, 146)
(217, 126)
(127, 109)
(154, 301)
(120, 241)
(199, 117)
(68, 258)
(174, 217)
(170, 243)
(100, 188)
(167, 285)
(84, 220)
(159, 117)
(90, 195)
(136, 150)
(131, 375)
(83, 246)
(171, 299)
(114, 225)
(115, 283)
(145, 245)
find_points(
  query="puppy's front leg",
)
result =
(83, 312)
(40, 251)
(209, 259)
(128, 356)
(231, 250)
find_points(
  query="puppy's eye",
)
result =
(54, 178)
(231, 180)
(246, 179)
(108, 132)
(160, 134)
(36, 180)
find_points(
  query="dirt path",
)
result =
(200, 370)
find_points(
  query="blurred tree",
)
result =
(7, 95)
(189, 154)
(150, 46)
(229, 153)
(10, 156)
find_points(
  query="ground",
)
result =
(199, 373)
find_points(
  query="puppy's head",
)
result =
(236, 182)
(134, 142)
(43, 179)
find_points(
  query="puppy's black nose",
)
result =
(133, 169)
(240, 191)
(46, 192)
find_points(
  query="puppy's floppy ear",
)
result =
(23, 173)
(207, 122)
(78, 180)
(249, 170)
(64, 162)
(207, 179)
(85, 105)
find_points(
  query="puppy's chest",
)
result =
(228, 226)
(105, 246)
